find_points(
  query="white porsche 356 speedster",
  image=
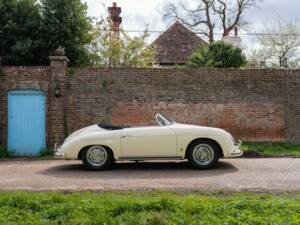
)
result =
(98, 146)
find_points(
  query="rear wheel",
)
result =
(97, 158)
(203, 154)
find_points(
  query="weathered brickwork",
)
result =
(258, 122)
(252, 104)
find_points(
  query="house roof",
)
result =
(176, 44)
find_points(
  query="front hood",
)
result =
(202, 129)
(181, 125)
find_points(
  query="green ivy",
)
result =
(106, 84)
(66, 131)
(3, 152)
(48, 151)
(71, 72)
(2, 73)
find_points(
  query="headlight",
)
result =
(231, 138)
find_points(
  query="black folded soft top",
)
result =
(112, 127)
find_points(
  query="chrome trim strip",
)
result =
(136, 158)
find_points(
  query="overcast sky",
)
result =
(136, 13)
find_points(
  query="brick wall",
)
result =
(258, 121)
(252, 104)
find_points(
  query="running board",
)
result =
(129, 158)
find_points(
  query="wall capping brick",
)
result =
(221, 71)
(58, 61)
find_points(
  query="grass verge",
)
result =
(268, 149)
(148, 208)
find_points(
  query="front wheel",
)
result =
(203, 154)
(97, 158)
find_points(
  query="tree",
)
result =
(20, 22)
(66, 24)
(279, 46)
(30, 30)
(210, 15)
(219, 55)
(122, 51)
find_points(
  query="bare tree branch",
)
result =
(209, 14)
(197, 19)
(281, 45)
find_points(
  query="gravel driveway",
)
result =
(273, 174)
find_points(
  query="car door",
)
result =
(149, 142)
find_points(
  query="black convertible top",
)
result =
(112, 127)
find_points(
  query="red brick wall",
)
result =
(257, 122)
(252, 104)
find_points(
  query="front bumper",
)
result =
(58, 152)
(236, 151)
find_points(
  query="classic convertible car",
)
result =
(98, 146)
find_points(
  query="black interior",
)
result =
(112, 127)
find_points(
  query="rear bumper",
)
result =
(58, 152)
(236, 151)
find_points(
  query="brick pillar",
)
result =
(57, 98)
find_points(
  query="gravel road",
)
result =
(255, 175)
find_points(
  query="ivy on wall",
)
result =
(2, 73)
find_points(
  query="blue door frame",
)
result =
(26, 122)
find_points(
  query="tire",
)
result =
(97, 158)
(203, 154)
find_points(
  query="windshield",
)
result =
(162, 120)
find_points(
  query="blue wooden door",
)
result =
(26, 122)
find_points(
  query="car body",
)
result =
(169, 140)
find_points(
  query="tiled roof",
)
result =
(176, 44)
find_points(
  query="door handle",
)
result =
(126, 136)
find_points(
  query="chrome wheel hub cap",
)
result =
(203, 154)
(97, 155)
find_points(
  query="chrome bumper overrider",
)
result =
(236, 151)
(58, 152)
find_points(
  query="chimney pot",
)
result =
(226, 33)
(236, 33)
(114, 4)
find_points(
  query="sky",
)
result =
(136, 13)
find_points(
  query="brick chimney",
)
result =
(236, 31)
(114, 20)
